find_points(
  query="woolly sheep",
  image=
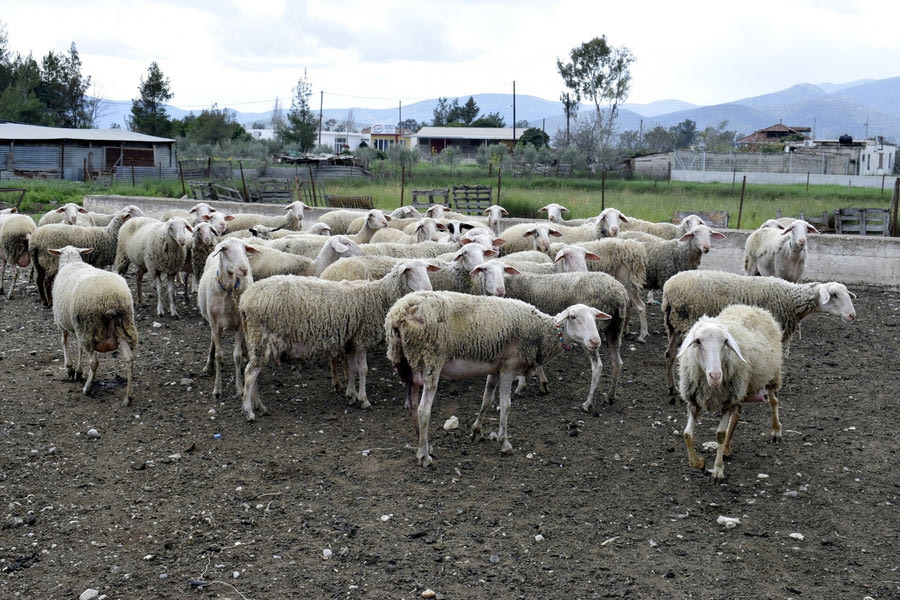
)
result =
(406, 212)
(192, 216)
(292, 219)
(666, 257)
(305, 317)
(691, 294)
(666, 231)
(103, 219)
(339, 220)
(360, 268)
(157, 248)
(102, 239)
(607, 224)
(420, 250)
(447, 334)
(69, 214)
(626, 260)
(552, 293)
(96, 307)
(724, 361)
(421, 231)
(778, 252)
(226, 276)
(555, 215)
(375, 219)
(322, 229)
(198, 249)
(268, 262)
(15, 232)
(528, 236)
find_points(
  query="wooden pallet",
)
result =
(471, 199)
(862, 221)
(425, 199)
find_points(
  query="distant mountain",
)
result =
(860, 108)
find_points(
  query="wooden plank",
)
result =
(274, 189)
(425, 199)
(862, 221)
(364, 202)
(471, 199)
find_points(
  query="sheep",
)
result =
(304, 244)
(292, 219)
(226, 276)
(691, 294)
(69, 214)
(157, 248)
(304, 317)
(96, 307)
(778, 252)
(626, 260)
(103, 219)
(356, 268)
(724, 361)
(666, 231)
(374, 220)
(420, 250)
(494, 213)
(555, 215)
(447, 334)
(568, 259)
(552, 293)
(198, 249)
(421, 231)
(406, 212)
(192, 216)
(668, 257)
(606, 224)
(267, 262)
(528, 236)
(15, 232)
(339, 220)
(103, 240)
(317, 228)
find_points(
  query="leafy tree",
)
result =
(658, 139)
(535, 137)
(409, 125)
(491, 120)
(301, 125)
(466, 113)
(718, 139)
(19, 101)
(601, 73)
(277, 116)
(148, 113)
(440, 112)
(683, 134)
(214, 126)
(570, 107)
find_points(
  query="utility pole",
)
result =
(514, 114)
(321, 101)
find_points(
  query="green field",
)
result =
(522, 196)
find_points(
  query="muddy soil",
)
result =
(177, 496)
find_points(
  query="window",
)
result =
(339, 145)
(383, 144)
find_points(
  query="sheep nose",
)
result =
(500, 292)
(714, 378)
(850, 317)
(594, 343)
(705, 248)
(613, 231)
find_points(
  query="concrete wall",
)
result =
(869, 181)
(850, 259)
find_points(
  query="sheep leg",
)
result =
(506, 380)
(724, 441)
(638, 304)
(732, 423)
(215, 355)
(671, 350)
(251, 390)
(615, 359)
(776, 422)
(520, 385)
(211, 355)
(362, 368)
(70, 372)
(424, 414)
(335, 362)
(12, 285)
(542, 378)
(412, 403)
(238, 357)
(128, 357)
(596, 367)
(487, 399)
(348, 362)
(694, 459)
(139, 285)
(41, 275)
(170, 288)
(94, 358)
(3, 276)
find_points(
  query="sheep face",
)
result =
(416, 273)
(836, 300)
(203, 234)
(232, 259)
(578, 324)
(798, 230)
(71, 211)
(471, 255)
(405, 212)
(701, 237)
(200, 210)
(320, 229)
(179, 230)
(705, 344)
(217, 220)
(436, 212)
(554, 212)
(573, 259)
(541, 235)
(491, 273)
(609, 221)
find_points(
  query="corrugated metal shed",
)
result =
(34, 133)
(469, 133)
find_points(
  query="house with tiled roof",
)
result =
(775, 134)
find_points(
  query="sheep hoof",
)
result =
(424, 458)
(506, 448)
(587, 406)
(718, 476)
(544, 388)
(611, 399)
(365, 404)
(776, 437)
(127, 401)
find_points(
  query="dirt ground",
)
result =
(177, 496)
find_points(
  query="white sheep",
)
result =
(422, 230)
(267, 262)
(626, 260)
(528, 236)
(691, 294)
(103, 219)
(225, 278)
(431, 335)
(724, 361)
(606, 224)
(553, 292)
(15, 233)
(69, 214)
(318, 228)
(666, 231)
(666, 257)
(198, 249)
(192, 216)
(555, 213)
(340, 219)
(292, 219)
(494, 213)
(96, 307)
(374, 220)
(103, 240)
(778, 252)
(306, 317)
(157, 248)
(406, 212)
(420, 250)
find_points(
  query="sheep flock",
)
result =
(443, 295)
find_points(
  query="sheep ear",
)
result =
(529, 233)
(511, 270)
(498, 242)
(686, 237)
(599, 314)
(691, 337)
(732, 343)
(388, 217)
(591, 256)
(542, 209)
(441, 227)
(82, 209)
(204, 217)
(477, 270)
(60, 209)
(504, 211)
(717, 236)
(554, 233)
(564, 209)
(812, 229)
(824, 295)
(54, 251)
(560, 255)
(85, 250)
(491, 253)
(432, 268)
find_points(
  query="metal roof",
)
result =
(36, 133)
(470, 133)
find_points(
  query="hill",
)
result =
(861, 109)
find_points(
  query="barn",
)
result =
(31, 151)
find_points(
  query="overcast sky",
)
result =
(377, 53)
